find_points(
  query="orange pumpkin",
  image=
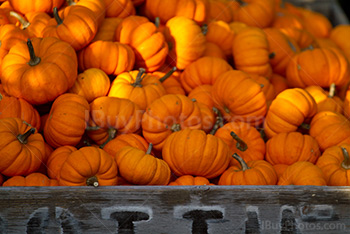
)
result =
(213, 50)
(279, 83)
(50, 63)
(128, 139)
(203, 71)
(325, 124)
(147, 42)
(106, 31)
(251, 52)
(67, 120)
(219, 10)
(33, 179)
(302, 37)
(56, 159)
(242, 139)
(138, 87)
(20, 108)
(340, 35)
(202, 94)
(168, 114)
(22, 149)
(193, 152)
(288, 111)
(89, 166)
(332, 67)
(98, 7)
(335, 165)
(185, 46)
(91, 84)
(257, 172)
(239, 97)
(191, 180)
(288, 148)
(119, 8)
(111, 57)
(170, 82)
(267, 88)
(316, 23)
(279, 169)
(140, 167)
(220, 33)
(76, 25)
(35, 5)
(302, 173)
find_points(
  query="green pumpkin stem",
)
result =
(23, 138)
(157, 22)
(92, 181)
(241, 162)
(57, 17)
(149, 150)
(1, 97)
(331, 92)
(34, 60)
(241, 2)
(168, 74)
(92, 128)
(346, 163)
(241, 145)
(219, 121)
(71, 2)
(112, 132)
(139, 78)
(25, 24)
(272, 55)
(305, 126)
(176, 127)
(204, 29)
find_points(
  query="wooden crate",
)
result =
(181, 209)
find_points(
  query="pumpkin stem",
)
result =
(92, 128)
(149, 150)
(139, 78)
(346, 163)
(205, 29)
(23, 138)
(157, 22)
(34, 60)
(241, 161)
(241, 2)
(272, 55)
(25, 24)
(57, 17)
(292, 46)
(112, 132)
(168, 74)
(176, 127)
(1, 97)
(92, 181)
(305, 126)
(219, 121)
(71, 2)
(241, 145)
(331, 92)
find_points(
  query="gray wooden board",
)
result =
(175, 209)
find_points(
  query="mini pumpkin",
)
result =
(33, 179)
(190, 180)
(56, 159)
(128, 139)
(220, 33)
(35, 5)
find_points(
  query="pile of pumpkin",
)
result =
(190, 92)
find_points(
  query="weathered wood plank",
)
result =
(175, 209)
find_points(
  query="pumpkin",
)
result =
(220, 33)
(302, 173)
(251, 52)
(279, 169)
(119, 8)
(106, 31)
(285, 19)
(257, 172)
(67, 120)
(193, 152)
(165, 10)
(266, 86)
(56, 159)
(137, 3)
(219, 10)
(111, 57)
(43, 168)
(326, 100)
(346, 104)
(50, 63)
(239, 97)
(33, 179)
(203, 71)
(167, 114)
(325, 124)
(91, 84)
(279, 83)
(290, 147)
(138, 87)
(208, 117)
(256, 13)
(147, 42)
(332, 67)
(98, 7)
(20, 108)
(89, 166)
(140, 167)
(316, 23)
(76, 25)
(302, 37)
(202, 94)
(282, 48)
(339, 35)
(113, 116)
(288, 111)
(35, 5)
(335, 165)
(190, 180)
(128, 139)
(213, 50)
(170, 82)
(242, 139)
(186, 41)
(22, 149)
